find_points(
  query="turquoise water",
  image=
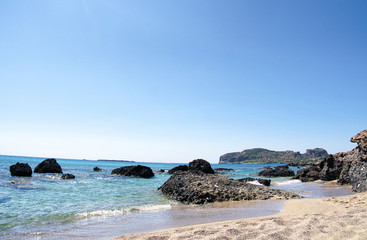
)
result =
(47, 200)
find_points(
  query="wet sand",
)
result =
(319, 218)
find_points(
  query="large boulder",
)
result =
(48, 166)
(278, 171)
(358, 176)
(200, 165)
(200, 188)
(21, 170)
(308, 174)
(179, 168)
(135, 171)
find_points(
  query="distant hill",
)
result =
(265, 156)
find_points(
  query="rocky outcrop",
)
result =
(265, 182)
(67, 176)
(265, 156)
(21, 170)
(200, 188)
(346, 167)
(48, 166)
(200, 165)
(278, 171)
(135, 171)
(179, 168)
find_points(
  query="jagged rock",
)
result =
(179, 168)
(200, 188)
(67, 176)
(265, 182)
(48, 166)
(361, 140)
(135, 171)
(346, 167)
(97, 169)
(278, 171)
(200, 165)
(21, 170)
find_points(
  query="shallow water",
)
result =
(47, 207)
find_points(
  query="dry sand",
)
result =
(323, 218)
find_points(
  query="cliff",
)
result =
(265, 156)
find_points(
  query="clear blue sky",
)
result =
(171, 81)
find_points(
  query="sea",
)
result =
(99, 205)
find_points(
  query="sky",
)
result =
(173, 81)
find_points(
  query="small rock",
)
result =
(97, 169)
(48, 166)
(67, 176)
(136, 171)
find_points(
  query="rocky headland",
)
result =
(200, 185)
(265, 156)
(345, 167)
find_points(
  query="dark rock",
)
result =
(279, 171)
(200, 165)
(358, 176)
(224, 169)
(135, 171)
(311, 173)
(161, 171)
(200, 188)
(330, 168)
(265, 182)
(179, 168)
(361, 140)
(21, 170)
(67, 176)
(48, 166)
(97, 169)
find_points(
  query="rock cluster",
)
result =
(199, 187)
(48, 166)
(21, 170)
(278, 171)
(135, 171)
(346, 167)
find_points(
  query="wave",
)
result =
(285, 182)
(134, 209)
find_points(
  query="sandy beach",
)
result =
(322, 218)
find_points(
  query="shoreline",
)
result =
(308, 218)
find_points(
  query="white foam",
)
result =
(254, 182)
(107, 213)
(292, 181)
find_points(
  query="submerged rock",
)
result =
(265, 182)
(48, 166)
(67, 176)
(135, 171)
(278, 171)
(224, 169)
(179, 168)
(21, 170)
(97, 169)
(200, 188)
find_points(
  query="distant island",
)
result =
(110, 160)
(265, 156)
